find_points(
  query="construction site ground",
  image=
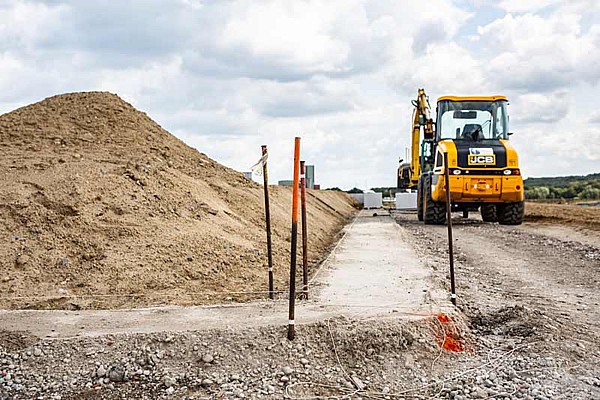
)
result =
(527, 322)
(135, 267)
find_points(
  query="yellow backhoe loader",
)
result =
(484, 167)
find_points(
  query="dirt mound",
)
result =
(97, 201)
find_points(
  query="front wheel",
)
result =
(434, 212)
(511, 213)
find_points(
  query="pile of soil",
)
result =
(101, 208)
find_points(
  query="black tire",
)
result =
(420, 199)
(434, 212)
(488, 213)
(511, 213)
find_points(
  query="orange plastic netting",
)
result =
(446, 334)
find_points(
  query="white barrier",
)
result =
(373, 200)
(406, 201)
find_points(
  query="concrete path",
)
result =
(372, 272)
(374, 267)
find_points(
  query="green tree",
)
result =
(538, 192)
(589, 192)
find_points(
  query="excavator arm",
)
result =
(421, 118)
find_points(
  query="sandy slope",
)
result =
(96, 198)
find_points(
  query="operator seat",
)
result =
(471, 131)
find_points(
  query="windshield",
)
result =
(472, 120)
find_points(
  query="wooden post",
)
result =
(291, 321)
(268, 221)
(304, 237)
(449, 218)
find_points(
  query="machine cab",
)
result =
(472, 119)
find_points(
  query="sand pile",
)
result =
(97, 199)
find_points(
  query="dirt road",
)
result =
(552, 269)
(532, 281)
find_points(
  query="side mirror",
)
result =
(402, 159)
(510, 133)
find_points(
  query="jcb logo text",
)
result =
(475, 159)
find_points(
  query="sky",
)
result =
(229, 76)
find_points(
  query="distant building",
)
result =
(310, 176)
(317, 187)
(248, 175)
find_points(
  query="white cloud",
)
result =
(541, 107)
(530, 52)
(444, 68)
(594, 117)
(295, 34)
(318, 95)
(27, 24)
(292, 40)
(519, 6)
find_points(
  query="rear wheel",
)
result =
(488, 213)
(511, 213)
(434, 212)
(420, 199)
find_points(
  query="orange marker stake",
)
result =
(291, 322)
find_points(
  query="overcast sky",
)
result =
(228, 76)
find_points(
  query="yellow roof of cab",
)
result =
(472, 98)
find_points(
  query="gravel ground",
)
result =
(252, 363)
(384, 358)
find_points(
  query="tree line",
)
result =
(563, 187)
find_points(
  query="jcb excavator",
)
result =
(484, 167)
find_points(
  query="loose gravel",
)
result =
(384, 358)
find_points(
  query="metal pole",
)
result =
(291, 322)
(449, 218)
(268, 222)
(304, 238)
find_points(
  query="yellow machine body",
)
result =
(491, 187)
(483, 165)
